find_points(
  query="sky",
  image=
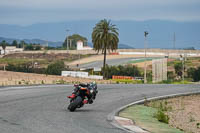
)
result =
(27, 12)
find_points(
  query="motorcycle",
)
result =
(82, 94)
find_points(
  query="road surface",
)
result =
(42, 109)
(112, 62)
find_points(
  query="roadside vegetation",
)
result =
(36, 62)
(126, 70)
(144, 117)
(175, 72)
(191, 70)
(42, 63)
(174, 115)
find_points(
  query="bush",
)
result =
(55, 68)
(166, 81)
(120, 70)
(178, 68)
(61, 81)
(29, 47)
(162, 117)
(24, 67)
(170, 75)
(196, 74)
(191, 72)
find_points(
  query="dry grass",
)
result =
(183, 112)
(19, 78)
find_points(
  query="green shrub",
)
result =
(196, 74)
(198, 125)
(161, 116)
(127, 70)
(170, 75)
(178, 68)
(166, 81)
(42, 82)
(24, 67)
(55, 68)
(61, 81)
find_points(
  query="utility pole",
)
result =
(145, 55)
(174, 40)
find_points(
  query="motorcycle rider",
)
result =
(88, 95)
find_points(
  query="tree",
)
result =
(55, 68)
(21, 44)
(178, 69)
(127, 70)
(29, 47)
(105, 36)
(4, 44)
(14, 43)
(74, 38)
(191, 72)
(38, 47)
(194, 73)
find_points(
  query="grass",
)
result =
(140, 60)
(13, 60)
(144, 117)
(21, 61)
(175, 82)
(181, 82)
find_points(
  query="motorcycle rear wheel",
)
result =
(74, 104)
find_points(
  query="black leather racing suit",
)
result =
(89, 96)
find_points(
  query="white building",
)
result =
(10, 49)
(81, 47)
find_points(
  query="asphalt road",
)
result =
(113, 62)
(42, 109)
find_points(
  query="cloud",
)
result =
(34, 11)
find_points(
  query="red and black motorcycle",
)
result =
(82, 94)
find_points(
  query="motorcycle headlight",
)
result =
(91, 91)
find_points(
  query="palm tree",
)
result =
(105, 36)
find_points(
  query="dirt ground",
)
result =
(18, 78)
(184, 113)
(48, 56)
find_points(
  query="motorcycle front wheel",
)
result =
(74, 104)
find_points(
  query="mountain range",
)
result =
(162, 34)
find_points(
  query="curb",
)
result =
(127, 124)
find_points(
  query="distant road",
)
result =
(42, 109)
(113, 62)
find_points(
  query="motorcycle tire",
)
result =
(73, 105)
